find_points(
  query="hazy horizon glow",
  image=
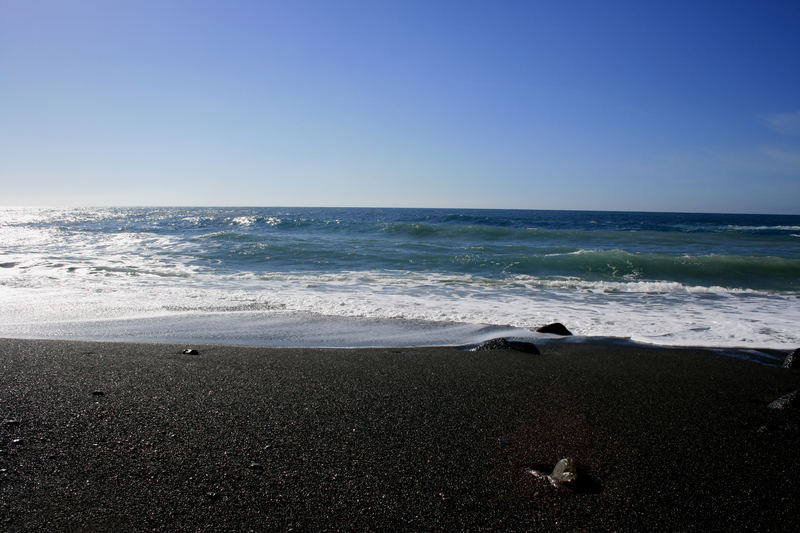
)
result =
(683, 107)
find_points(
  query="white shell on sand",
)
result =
(564, 473)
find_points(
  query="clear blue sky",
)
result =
(678, 106)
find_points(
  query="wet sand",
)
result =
(102, 436)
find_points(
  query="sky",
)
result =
(656, 106)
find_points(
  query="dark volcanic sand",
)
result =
(370, 439)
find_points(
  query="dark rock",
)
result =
(494, 344)
(505, 344)
(191, 351)
(556, 328)
(12, 422)
(98, 393)
(792, 360)
(255, 466)
(786, 401)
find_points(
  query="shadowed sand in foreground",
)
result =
(100, 436)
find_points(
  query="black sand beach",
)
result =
(102, 436)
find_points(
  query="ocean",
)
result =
(397, 277)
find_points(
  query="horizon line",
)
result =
(288, 206)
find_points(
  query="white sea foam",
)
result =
(663, 313)
(244, 221)
(764, 228)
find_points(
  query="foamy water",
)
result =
(344, 277)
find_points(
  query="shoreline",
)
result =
(239, 438)
(444, 335)
(294, 329)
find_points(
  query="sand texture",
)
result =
(111, 436)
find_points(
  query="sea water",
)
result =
(397, 277)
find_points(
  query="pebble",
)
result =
(12, 422)
(255, 466)
(191, 351)
(98, 393)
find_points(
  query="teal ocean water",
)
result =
(413, 276)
